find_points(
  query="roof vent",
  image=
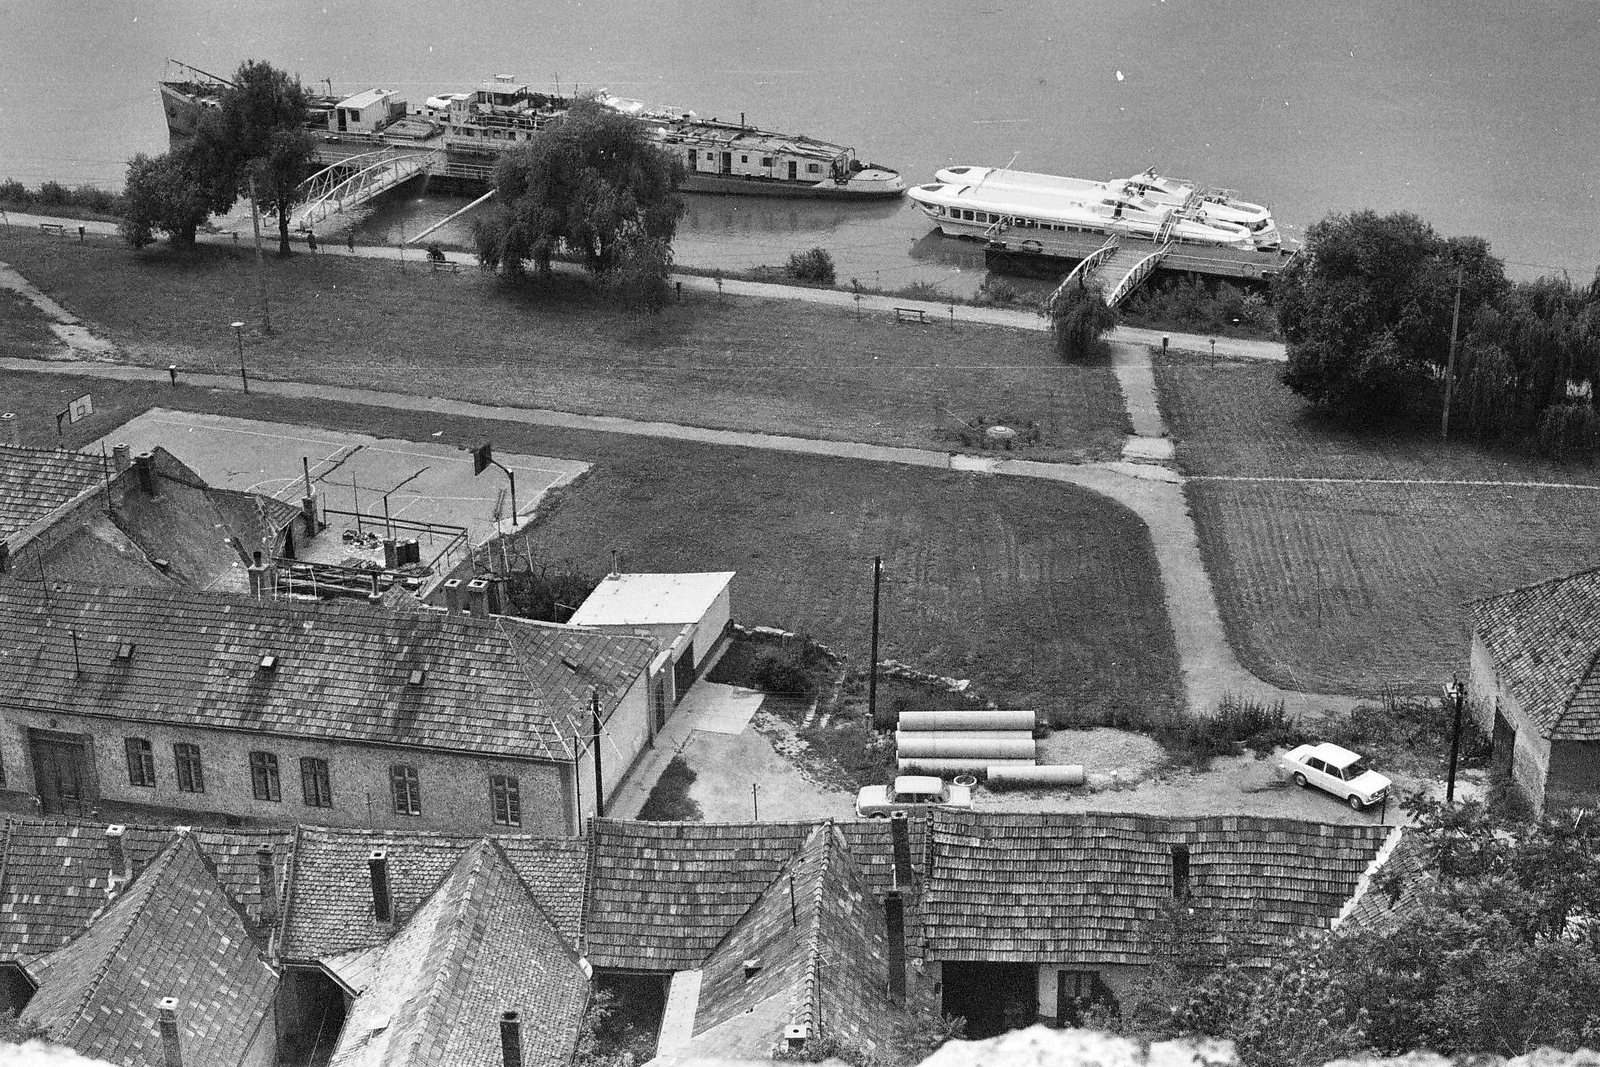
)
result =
(162, 565)
(752, 965)
(125, 650)
(269, 662)
(570, 664)
(418, 676)
(796, 1036)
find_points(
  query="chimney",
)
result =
(391, 553)
(900, 831)
(895, 914)
(8, 419)
(267, 880)
(167, 1023)
(454, 597)
(410, 551)
(258, 576)
(378, 866)
(145, 464)
(614, 571)
(511, 1039)
(121, 867)
(478, 598)
(308, 508)
(374, 595)
(121, 457)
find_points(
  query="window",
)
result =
(813, 168)
(407, 789)
(191, 779)
(766, 161)
(264, 776)
(141, 762)
(505, 799)
(314, 782)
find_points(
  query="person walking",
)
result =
(311, 241)
(350, 241)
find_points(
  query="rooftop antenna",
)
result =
(76, 662)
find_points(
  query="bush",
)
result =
(920, 291)
(669, 801)
(813, 266)
(96, 199)
(1568, 431)
(14, 192)
(54, 194)
(783, 669)
(996, 290)
(1078, 319)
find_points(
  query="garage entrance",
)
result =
(994, 998)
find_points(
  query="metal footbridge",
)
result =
(1120, 264)
(356, 179)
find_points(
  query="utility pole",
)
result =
(599, 784)
(1450, 365)
(872, 667)
(261, 270)
(1459, 691)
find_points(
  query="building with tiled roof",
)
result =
(168, 959)
(174, 703)
(36, 483)
(1536, 687)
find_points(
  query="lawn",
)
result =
(1353, 587)
(777, 366)
(24, 329)
(1045, 595)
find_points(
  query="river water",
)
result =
(1476, 114)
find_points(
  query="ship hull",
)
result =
(741, 185)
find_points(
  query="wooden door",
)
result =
(61, 776)
(727, 162)
(794, 171)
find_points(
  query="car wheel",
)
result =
(1300, 780)
(1355, 803)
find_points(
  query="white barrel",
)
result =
(911, 745)
(971, 735)
(1053, 774)
(949, 768)
(966, 720)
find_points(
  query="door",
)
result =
(683, 672)
(61, 776)
(794, 171)
(661, 702)
(342, 120)
(1503, 748)
(727, 162)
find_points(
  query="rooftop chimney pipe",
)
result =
(455, 599)
(378, 866)
(9, 420)
(895, 916)
(900, 832)
(511, 1039)
(478, 598)
(121, 869)
(258, 576)
(121, 457)
(268, 881)
(167, 1023)
(145, 464)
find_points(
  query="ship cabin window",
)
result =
(813, 168)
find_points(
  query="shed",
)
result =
(366, 112)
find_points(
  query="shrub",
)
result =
(669, 801)
(1078, 319)
(54, 194)
(14, 192)
(813, 266)
(1568, 431)
(920, 291)
(996, 290)
(783, 669)
(95, 199)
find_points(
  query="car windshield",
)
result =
(1355, 770)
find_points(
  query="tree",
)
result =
(594, 183)
(1366, 309)
(1078, 319)
(162, 195)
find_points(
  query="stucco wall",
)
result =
(1530, 760)
(1574, 779)
(454, 787)
(626, 735)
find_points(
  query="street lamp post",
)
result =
(238, 334)
(1458, 691)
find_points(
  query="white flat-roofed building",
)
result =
(366, 112)
(687, 614)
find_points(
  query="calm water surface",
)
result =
(1476, 114)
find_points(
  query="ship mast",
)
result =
(202, 73)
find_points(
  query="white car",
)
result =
(1338, 771)
(910, 792)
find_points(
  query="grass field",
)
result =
(23, 327)
(777, 366)
(1043, 594)
(1356, 586)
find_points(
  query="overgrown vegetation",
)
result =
(669, 801)
(1494, 951)
(1369, 311)
(1211, 306)
(610, 1036)
(914, 1040)
(813, 265)
(53, 198)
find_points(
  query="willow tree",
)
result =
(594, 184)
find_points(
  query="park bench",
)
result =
(445, 265)
(917, 315)
(53, 228)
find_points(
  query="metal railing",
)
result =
(1136, 276)
(333, 188)
(1087, 264)
(449, 540)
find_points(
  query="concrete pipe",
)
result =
(949, 768)
(970, 735)
(913, 745)
(966, 720)
(1052, 775)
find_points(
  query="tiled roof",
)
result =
(662, 896)
(1398, 884)
(821, 938)
(331, 907)
(497, 686)
(1545, 640)
(1097, 888)
(54, 875)
(36, 481)
(479, 946)
(172, 933)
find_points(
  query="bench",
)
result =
(917, 315)
(445, 265)
(52, 227)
